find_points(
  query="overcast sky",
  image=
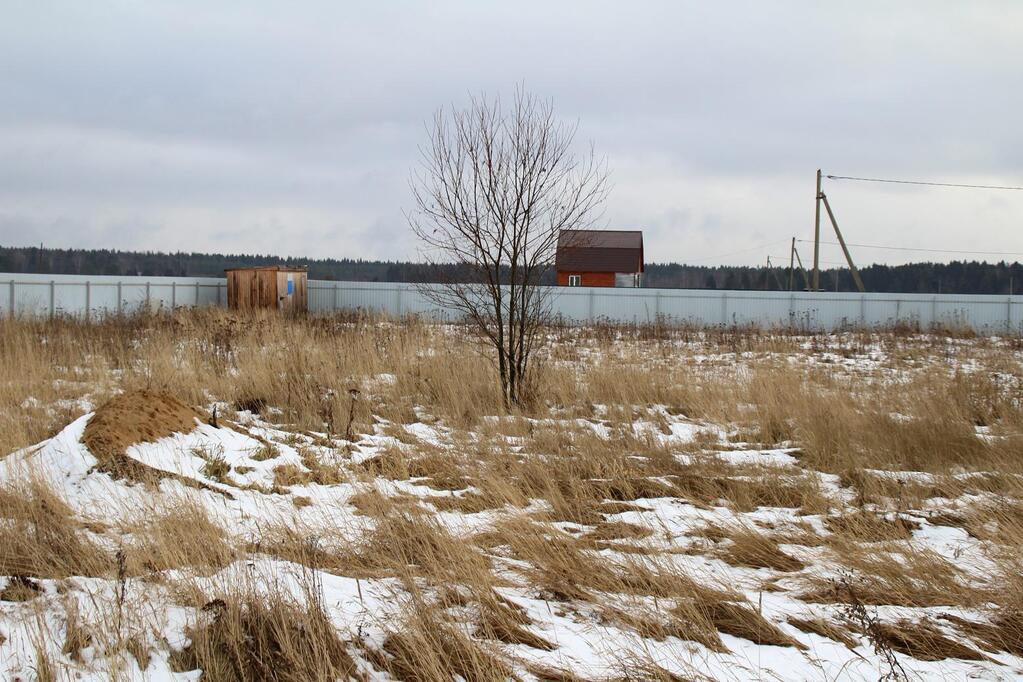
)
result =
(290, 128)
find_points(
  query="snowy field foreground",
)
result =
(695, 506)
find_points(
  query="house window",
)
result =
(575, 280)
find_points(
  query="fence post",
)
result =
(724, 307)
(174, 295)
(336, 287)
(863, 310)
(397, 301)
(1008, 315)
(196, 293)
(120, 298)
(934, 311)
(589, 308)
(149, 304)
(53, 307)
(12, 298)
(219, 303)
(657, 307)
(88, 298)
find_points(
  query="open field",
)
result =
(313, 499)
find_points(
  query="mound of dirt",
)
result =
(136, 417)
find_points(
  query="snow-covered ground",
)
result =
(706, 489)
(583, 644)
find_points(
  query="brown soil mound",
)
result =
(136, 417)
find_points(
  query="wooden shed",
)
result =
(274, 287)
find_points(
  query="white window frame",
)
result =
(575, 280)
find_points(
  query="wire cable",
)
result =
(733, 253)
(921, 182)
(823, 262)
(909, 248)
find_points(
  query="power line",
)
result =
(921, 182)
(734, 253)
(909, 248)
(823, 262)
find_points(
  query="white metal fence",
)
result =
(96, 295)
(99, 295)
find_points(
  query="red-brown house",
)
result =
(599, 258)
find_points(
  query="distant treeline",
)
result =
(957, 277)
(952, 278)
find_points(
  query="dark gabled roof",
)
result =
(600, 251)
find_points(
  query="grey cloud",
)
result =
(223, 125)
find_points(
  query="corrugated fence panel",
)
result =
(30, 294)
(95, 295)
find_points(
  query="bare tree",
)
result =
(495, 189)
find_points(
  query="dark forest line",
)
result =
(957, 277)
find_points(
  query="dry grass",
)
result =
(1005, 633)
(824, 628)
(750, 547)
(291, 474)
(76, 633)
(864, 526)
(924, 642)
(741, 620)
(178, 536)
(429, 647)
(901, 576)
(306, 368)
(247, 634)
(40, 536)
(539, 485)
(304, 546)
(20, 588)
(747, 488)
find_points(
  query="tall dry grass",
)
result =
(538, 472)
(255, 631)
(40, 536)
(924, 419)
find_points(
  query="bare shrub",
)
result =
(495, 192)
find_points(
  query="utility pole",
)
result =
(802, 270)
(774, 274)
(817, 238)
(792, 264)
(841, 241)
(821, 196)
(795, 260)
